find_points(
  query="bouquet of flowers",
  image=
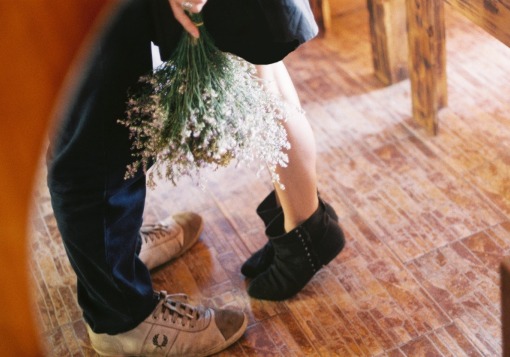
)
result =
(203, 108)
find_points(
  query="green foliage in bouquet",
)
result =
(203, 108)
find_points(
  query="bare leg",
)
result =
(313, 237)
(299, 199)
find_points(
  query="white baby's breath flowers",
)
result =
(205, 113)
(203, 108)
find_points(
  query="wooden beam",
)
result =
(491, 15)
(389, 39)
(427, 60)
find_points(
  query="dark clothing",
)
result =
(98, 212)
(260, 31)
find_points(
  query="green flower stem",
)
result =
(203, 108)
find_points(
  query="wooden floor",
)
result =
(427, 218)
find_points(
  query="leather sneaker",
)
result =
(168, 240)
(175, 328)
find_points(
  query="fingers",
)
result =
(192, 5)
(179, 7)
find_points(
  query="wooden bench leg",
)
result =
(389, 39)
(427, 60)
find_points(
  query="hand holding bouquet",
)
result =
(203, 108)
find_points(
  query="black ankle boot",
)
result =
(267, 210)
(299, 254)
(260, 261)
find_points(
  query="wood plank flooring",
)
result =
(427, 218)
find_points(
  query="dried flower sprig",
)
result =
(203, 108)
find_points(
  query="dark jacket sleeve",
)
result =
(290, 20)
(260, 31)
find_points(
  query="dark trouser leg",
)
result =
(99, 214)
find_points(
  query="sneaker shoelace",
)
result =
(174, 308)
(153, 232)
